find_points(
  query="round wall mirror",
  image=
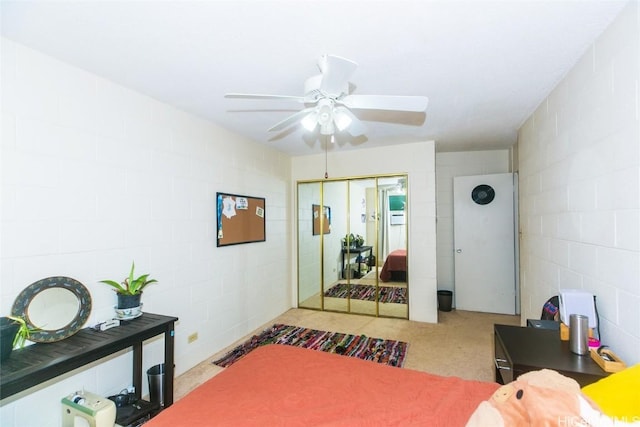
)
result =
(57, 307)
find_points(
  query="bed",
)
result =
(395, 267)
(291, 386)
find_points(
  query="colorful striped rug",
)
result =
(389, 352)
(392, 294)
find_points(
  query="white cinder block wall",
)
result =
(95, 176)
(448, 166)
(417, 160)
(579, 162)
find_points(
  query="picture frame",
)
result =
(240, 219)
(326, 219)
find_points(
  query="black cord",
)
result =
(595, 308)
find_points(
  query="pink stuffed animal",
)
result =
(541, 398)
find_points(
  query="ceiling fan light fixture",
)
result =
(341, 119)
(325, 111)
(310, 121)
(327, 128)
(325, 116)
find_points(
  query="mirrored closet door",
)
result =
(352, 245)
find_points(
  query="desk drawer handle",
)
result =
(502, 368)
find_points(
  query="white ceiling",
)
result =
(485, 65)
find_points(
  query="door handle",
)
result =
(459, 251)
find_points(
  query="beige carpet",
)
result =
(461, 344)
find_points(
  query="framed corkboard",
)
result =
(240, 219)
(326, 219)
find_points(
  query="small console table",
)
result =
(32, 365)
(519, 350)
(355, 251)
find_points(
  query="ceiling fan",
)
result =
(328, 100)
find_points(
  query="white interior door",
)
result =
(484, 244)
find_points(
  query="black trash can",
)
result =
(444, 300)
(155, 375)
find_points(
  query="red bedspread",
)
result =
(396, 261)
(280, 385)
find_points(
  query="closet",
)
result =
(352, 245)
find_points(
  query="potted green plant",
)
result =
(352, 241)
(129, 291)
(348, 241)
(14, 332)
(8, 331)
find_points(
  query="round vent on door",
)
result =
(483, 194)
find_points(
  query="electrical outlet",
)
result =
(191, 338)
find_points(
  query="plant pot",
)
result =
(129, 301)
(8, 331)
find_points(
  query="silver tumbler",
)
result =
(579, 334)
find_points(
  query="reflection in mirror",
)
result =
(364, 284)
(392, 246)
(309, 244)
(368, 275)
(335, 270)
(53, 308)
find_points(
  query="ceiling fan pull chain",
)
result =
(326, 143)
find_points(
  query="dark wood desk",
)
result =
(519, 350)
(35, 364)
(355, 251)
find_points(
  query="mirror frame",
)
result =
(24, 299)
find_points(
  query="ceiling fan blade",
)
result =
(291, 119)
(387, 102)
(263, 96)
(336, 72)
